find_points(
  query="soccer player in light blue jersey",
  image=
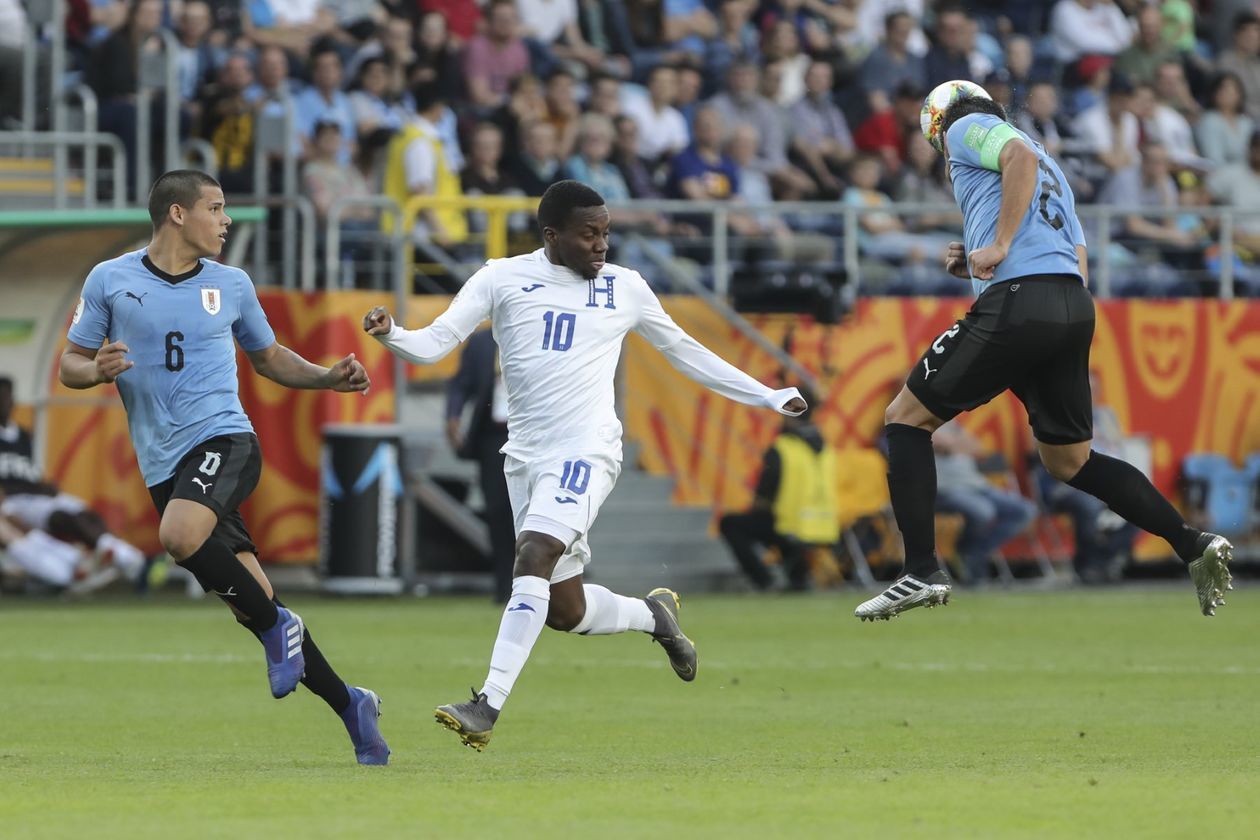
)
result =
(1029, 332)
(162, 324)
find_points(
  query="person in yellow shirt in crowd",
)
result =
(794, 506)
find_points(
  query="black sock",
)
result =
(912, 487)
(320, 678)
(217, 570)
(1127, 492)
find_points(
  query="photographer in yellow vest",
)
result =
(418, 163)
(794, 506)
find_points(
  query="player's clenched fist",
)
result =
(378, 321)
(348, 375)
(110, 361)
(956, 260)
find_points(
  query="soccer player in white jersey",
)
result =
(560, 316)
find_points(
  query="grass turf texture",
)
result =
(1107, 713)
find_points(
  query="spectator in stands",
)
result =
(948, 57)
(227, 122)
(273, 78)
(1140, 60)
(820, 133)
(1162, 124)
(891, 64)
(1243, 60)
(1156, 238)
(703, 172)
(591, 164)
(325, 101)
(1174, 90)
(794, 507)
(742, 104)
(687, 26)
(563, 111)
(1088, 27)
(196, 59)
(294, 25)
(662, 130)
(1039, 119)
(605, 96)
(606, 28)
(631, 165)
(1019, 69)
(736, 40)
(1223, 22)
(881, 233)
(417, 165)
(526, 105)
(690, 87)
(355, 22)
(812, 20)
(368, 100)
(539, 166)
(1103, 540)
(984, 53)
(754, 188)
(1224, 131)
(991, 515)
(782, 47)
(1094, 73)
(325, 179)
(485, 174)
(461, 17)
(393, 41)
(1109, 131)
(870, 25)
(885, 132)
(13, 36)
(556, 26)
(1239, 187)
(496, 57)
(436, 60)
(923, 181)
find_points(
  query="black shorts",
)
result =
(220, 474)
(1030, 335)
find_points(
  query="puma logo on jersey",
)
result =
(532, 288)
(205, 488)
(231, 592)
(139, 300)
(927, 371)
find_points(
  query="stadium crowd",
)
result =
(1146, 103)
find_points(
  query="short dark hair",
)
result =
(179, 186)
(561, 199)
(1245, 19)
(6, 384)
(427, 95)
(965, 105)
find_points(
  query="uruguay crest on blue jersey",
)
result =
(211, 300)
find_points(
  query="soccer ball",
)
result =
(941, 97)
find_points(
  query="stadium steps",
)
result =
(29, 182)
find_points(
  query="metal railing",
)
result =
(88, 140)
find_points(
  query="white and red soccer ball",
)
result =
(936, 103)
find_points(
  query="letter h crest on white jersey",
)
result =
(594, 291)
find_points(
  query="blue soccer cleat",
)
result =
(362, 720)
(283, 644)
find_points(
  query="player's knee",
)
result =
(564, 615)
(180, 540)
(537, 555)
(1064, 464)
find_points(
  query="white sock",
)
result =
(523, 620)
(46, 558)
(608, 613)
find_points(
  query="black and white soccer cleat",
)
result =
(906, 593)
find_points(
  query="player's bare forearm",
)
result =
(284, 367)
(83, 367)
(1019, 183)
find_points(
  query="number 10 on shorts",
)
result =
(575, 476)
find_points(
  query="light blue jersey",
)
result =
(1047, 238)
(183, 388)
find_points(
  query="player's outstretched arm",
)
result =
(431, 344)
(699, 363)
(284, 367)
(82, 367)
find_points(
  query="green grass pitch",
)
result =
(1114, 714)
